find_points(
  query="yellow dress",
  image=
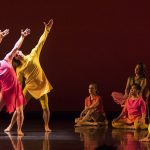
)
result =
(36, 82)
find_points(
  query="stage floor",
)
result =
(67, 137)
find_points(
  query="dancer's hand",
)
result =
(4, 33)
(25, 33)
(48, 25)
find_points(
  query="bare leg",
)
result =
(20, 119)
(82, 114)
(14, 117)
(146, 139)
(46, 112)
(84, 120)
(13, 121)
(46, 116)
(122, 124)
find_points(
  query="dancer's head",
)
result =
(19, 55)
(93, 88)
(135, 89)
(140, 69)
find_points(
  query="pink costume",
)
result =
(134, 109)
(12, 95)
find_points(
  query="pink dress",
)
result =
(134, 109)
(12, 95)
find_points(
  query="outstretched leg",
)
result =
(46, 111)
(14, 117)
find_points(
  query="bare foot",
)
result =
(47, 129)
(20, 133)
(77, 120)
(77, 125)
(8, 129)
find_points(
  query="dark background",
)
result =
(91, 41)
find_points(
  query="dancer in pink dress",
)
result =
(11, 91)
(134, 112)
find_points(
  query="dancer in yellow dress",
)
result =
(36, 83)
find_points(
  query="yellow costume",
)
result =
(36, 82)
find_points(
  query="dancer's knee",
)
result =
(44, 102)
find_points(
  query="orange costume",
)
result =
(97, 112)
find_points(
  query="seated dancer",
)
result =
(36, 83)
(93, 113)
(134, 112)
(11, 91)
(140, 79)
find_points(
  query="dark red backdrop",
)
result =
(96, 40)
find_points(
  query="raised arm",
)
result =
(18, 44)
(3, 34)
(127, 89)
(37, 49)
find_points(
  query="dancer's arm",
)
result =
(143, 117)
(18, 44)
(127, 89)
(123, 113)
(143, 85)
(143, 110)
(3, 34)
(37, 49)
(85, 108)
